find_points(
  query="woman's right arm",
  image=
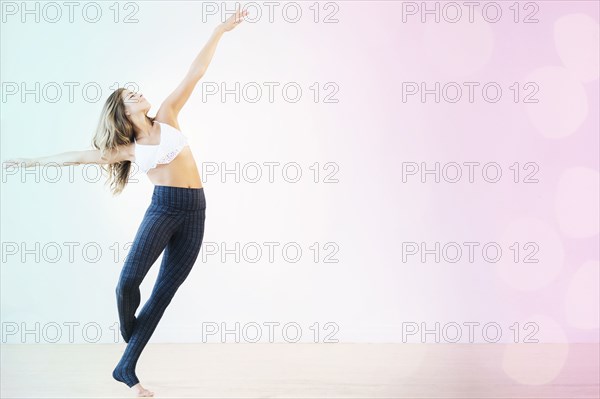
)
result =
(122, 153)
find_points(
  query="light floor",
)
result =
(307, 371)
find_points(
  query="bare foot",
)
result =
(142, 392)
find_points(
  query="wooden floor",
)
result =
(307, 371)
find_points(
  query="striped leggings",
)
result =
(174, 222)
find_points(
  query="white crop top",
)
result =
(172, 141)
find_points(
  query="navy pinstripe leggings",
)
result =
(174, 222)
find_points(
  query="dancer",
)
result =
(174, 220)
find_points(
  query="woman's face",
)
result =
(135, 102)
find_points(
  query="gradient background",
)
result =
(369, 133)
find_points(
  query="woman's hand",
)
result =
(17, 162)
(233, 21)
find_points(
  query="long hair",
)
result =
(115, 129)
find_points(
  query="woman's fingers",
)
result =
(13, 162)
(7, 163)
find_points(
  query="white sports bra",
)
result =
(171, 143)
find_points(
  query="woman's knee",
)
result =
(127, 285)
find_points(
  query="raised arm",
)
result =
(122, 153)
(170, 108)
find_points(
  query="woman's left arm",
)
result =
(175, 101)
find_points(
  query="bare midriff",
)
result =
(180, 172)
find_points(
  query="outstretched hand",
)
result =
(16, 162)
(234, 20)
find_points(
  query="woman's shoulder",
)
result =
(167, 120)
(129, 150)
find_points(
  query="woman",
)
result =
(174, 221)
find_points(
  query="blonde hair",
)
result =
(115, 129)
